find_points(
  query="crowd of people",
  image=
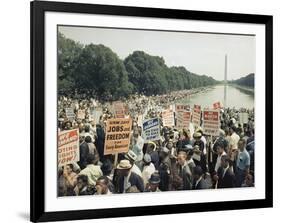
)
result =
(183, 159)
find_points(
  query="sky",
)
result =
(200, 53)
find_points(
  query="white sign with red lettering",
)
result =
(68, 147)
(217, 105)
(168, 118)
(183, 119)
(182, 107)
(211, 122)
(119, 109)
(196, 115)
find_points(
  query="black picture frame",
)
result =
(37, 197)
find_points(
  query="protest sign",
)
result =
(81, 114)
(68, 147)
(69, 112)
(211, 122)
(119, 109)
(182, 107)
(168, 118)
(217, 105)
(96, 114)
(151, 129)
(243, 117)
(140, 120)
(183, 119)
(117, 137)
(196, 115)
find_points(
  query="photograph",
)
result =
(147, 110)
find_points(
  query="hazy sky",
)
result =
(200, 53)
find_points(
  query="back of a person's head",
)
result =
(198, 171)
(91, 158)
(88, 139)
(106, 167)
(104, 179)
(87, 128)
(83, 178)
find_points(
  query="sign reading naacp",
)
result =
(117, 137)
(168, 118)
(68, 147)
(151, 129)
(243, 117)
(119, 109)
(211, 122)
(182, 107)
(217, 105)
(183, 119)
(81, 114)
(70, 113)
(196, 115)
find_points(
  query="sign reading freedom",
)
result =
(68, 147)
(117, 137)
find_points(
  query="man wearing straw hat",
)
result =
(127, 178)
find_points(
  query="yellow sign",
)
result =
(117, 138)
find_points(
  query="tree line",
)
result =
(248, 81)
(98, 69)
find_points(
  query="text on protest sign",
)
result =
(68, 147)
(69, 112)
(117, 137)
(211, 122)
(243, 117)
(151, 129)
(182, 107)
(196, 115)
(168, 118)
(119, 109)
(96, 114)
(183, 119)
(81, 114)
(217, 105)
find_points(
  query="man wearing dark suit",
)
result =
(225, 176)
(84, 153)
(127, 178)
(199, 182)
(183, 171)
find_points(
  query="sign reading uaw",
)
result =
(117, 138)
(211, 122)
(68, 147)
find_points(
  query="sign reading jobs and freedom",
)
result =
(211, 122)
(151, 129)
(68, 147)
(117, 138)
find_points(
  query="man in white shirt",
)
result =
(138, 143)
(131, 156)
(92, 170)
(148, 169)
(234, 139)
(221, 152)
